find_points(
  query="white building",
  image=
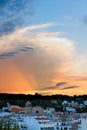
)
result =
(70, 109)
(5, 114)
(49, 110)
(65, 102)
(63, 126)
(84, 124)
(85, 103)
(40, 124)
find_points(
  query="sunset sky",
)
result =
(43, 46)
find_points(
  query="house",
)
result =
(37, 111)
(85, 103)
(16, 109)
(40, 123)
(49, 111)
(84, 123)
(70, 109)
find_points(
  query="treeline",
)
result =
(39, 96)
(30, 96)
(38, 100)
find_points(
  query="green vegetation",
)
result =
(82, 110)
(8, 126)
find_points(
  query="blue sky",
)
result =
(71, 13)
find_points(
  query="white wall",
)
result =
(84, 124)
(33, 124)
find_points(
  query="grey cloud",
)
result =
(25, 49)
(7, 54)
(13, 53)
(1, 58)
(70, 87)
(58, 85)
(61, 83)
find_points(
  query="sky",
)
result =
(43, 46)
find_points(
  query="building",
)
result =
(84, 124)
(37, 111)
(63, 126)
(70, 109)
(49, 111)
(85, 103)
(40, 123)
(33, 110)
(16, 109)
(28, 108)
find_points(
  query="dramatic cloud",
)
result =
(44, 58)
(23, 38)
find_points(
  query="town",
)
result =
(71, 115)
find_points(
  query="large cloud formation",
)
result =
(44, 58)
